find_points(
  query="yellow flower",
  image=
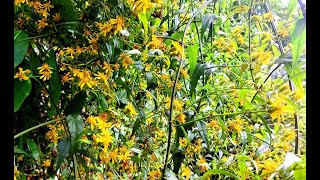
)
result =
(113, 156)
(241, 9)
(178, 105)
(154, 174)
(268, 16)
(131, 110)
(177, 49)
(22, 75)
(181, 118)
(45, 75)
(142, 5)
(102, 77)
(236, 125)
(18, 2)
(256, 18)
(213, 124)
(118, 24)
(42, 23)
(185, 171)
(283, 33)
(127, 61)
(203, 165)
(47, 6)
(236, 30)
(44, 67)
(183, 142)
(66, 78)
(46, 163)
(57, 17)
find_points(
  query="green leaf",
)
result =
(265, 123)
(34, 149)
(195, 77)
(219, 171)
(143, 18)
(54, 84)
(21, 90)
(135, 159)
(75, 124)
(298, 39)
(67, 10)
(291, 6)
(122, 96)
(20, 47)
(75, 105)
(21, 151)
(193, 56)
(63, 150)
(206, 21)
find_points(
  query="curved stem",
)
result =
(175, 84)
(36, 127)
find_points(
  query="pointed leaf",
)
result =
(21, 90)
(63, 150)
(219, 171)
(20, 46)
(54, 84)
(193, 56)
(298, 38)
(75, 105)
(75, 124)
(34, 149)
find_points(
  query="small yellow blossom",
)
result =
(46, 163)
(42, 23)
(45, 75)
(268, 16)
(22, 75)
(185, 171)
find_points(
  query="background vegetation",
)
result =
(156, 89)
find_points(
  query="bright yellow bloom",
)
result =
(241, 9)
(256, 18)
(44, 67)
(131, 110)
(47, 6)
(236, 30)
(154, 174)
(22, 75)
(113, 156)
(127, 61)
(283, 32)
(183, 142)
(46, 163)
(185, 171)
(178, 105)
(268, 16)
(236, 125)
(203, 165)
(142, 5)
(213, 124)
(118, 24)
(176, 50)
(18, 2)
(42, 23)
(45, 75)
(181, 118)
(66, 78)
(57, 17)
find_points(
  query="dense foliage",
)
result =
(153, 89)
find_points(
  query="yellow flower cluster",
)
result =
(45, 71)
(225, 45)
(22, 75)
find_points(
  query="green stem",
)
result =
(218, 115)
(35, 127)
